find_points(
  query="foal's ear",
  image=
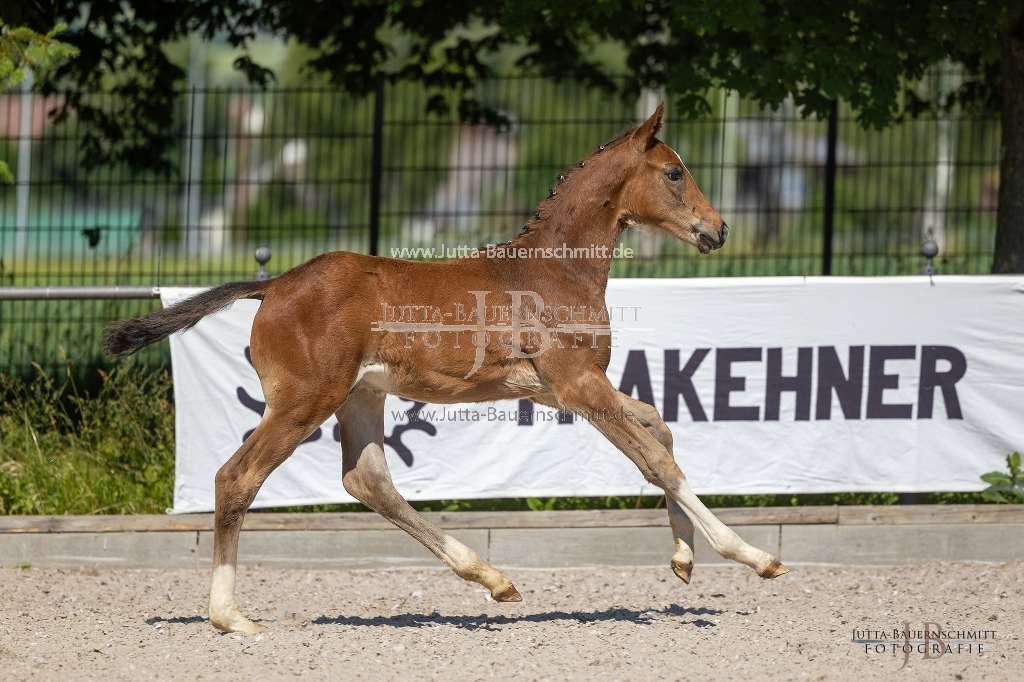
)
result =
(643, 137)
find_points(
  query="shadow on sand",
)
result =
(675, 613)
(177, 619)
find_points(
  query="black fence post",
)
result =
(378, 161)
(830, 188)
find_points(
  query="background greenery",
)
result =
(109, 450)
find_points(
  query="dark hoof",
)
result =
(508, 594)
(682, 571)
(774, 570)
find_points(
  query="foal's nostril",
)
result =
(724, 233)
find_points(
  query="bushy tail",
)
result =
(124, 337)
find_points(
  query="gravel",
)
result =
(593, 624)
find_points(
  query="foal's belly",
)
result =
(432, 386)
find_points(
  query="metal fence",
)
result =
(306, 171)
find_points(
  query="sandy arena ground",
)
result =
(601, 624)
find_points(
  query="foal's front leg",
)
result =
(595, 397)
(682, 526)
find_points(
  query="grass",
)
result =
(109, 449)
(65, 451)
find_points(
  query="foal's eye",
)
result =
(675, 175)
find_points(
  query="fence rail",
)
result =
(309, 170)
(100, 293)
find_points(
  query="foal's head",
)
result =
(661, 193)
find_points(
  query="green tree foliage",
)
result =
(22, 48)
(862, 51)
(813, 50)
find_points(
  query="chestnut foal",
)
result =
(317, 352)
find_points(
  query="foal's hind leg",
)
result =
(682, 526)
(366, 478)
(238, 481)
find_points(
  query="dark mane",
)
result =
(565, 183)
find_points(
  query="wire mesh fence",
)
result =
(293, 169)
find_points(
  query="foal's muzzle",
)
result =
(708, 239)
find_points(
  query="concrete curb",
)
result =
(831, 535)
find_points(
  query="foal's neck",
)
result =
(583, 218)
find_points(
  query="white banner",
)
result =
(770, 385)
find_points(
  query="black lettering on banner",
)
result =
(413, 423)
(525, 417)
(799, 384)
(849, 388)
(637, 375)
(680, 382)
(726, 383)
(932, 379)
(878, 381)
